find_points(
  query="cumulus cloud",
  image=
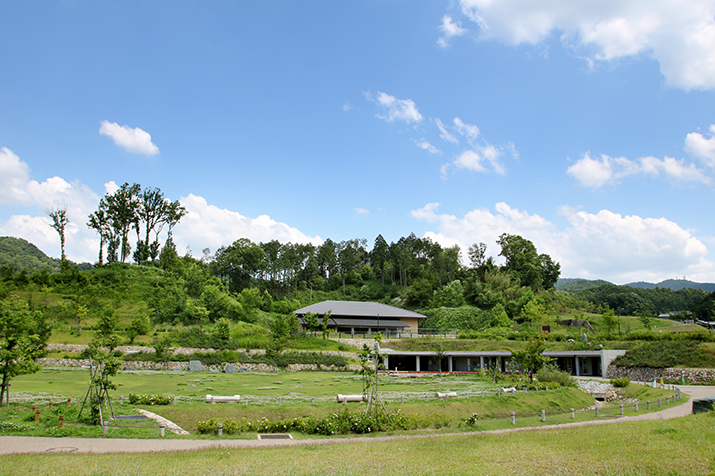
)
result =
(603, 245)
(18, 189)
(208, 226)
(679, 35)
(449, 29)
(701, 148)
(423, 144)
(595, 173)
(362, 211)
(205, 226)
(395, 109)
(133, 140)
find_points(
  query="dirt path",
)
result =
(28, 444)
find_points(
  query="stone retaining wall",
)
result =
(144, 365)
(131, 349)
(643, 374)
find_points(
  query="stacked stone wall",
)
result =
(144, 365)
(645, 374)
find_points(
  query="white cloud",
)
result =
(700, 147)
(470, 131)
(14, 175)
(396, 109)
(135, 141)
(680, 35)
(423, 144)
(362, 211)
(347, 107)
(449, 29)
(477, 159)
(604, 245)
(207, 226)
(444, 133)
(595, 173)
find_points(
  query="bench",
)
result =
(212, 399)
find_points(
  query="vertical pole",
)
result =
(37, 416)
(162, 429)
(621, 409)
(513, 418)
(658, 401)
(543, 415)
(69, 400)
(61, 422)
(175, 398)
(312, 400)
(596, 412)
(280, 400)
(636, 407)
(105, 428)
(50, 405)
(648, 404)
(402, 399)
(220, 430)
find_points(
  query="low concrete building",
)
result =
(577, 362)
(352, 317)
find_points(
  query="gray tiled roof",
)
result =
(354, 309)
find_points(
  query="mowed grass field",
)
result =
(682, 446)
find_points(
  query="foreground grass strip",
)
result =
(675, 447)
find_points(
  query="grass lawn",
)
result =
(278, 396)
(681, 446)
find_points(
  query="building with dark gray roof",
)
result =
(352, 317)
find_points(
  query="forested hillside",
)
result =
(628, 300)
(18, 254)
(260, 284)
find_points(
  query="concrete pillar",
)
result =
(449, 363)
(387, 362)
(481, 362)
(417, 363)
(578, 367)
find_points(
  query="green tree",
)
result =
(140, 325)
(522, 260)
(23, 336)
(531, 358)
(223, 329)
(610, 321)
(645, 317)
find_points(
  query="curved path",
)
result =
(30, 444)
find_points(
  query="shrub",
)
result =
(551, 374)
(149, 399)
(620, 382)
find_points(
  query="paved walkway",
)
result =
(29, 444)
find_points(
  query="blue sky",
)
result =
(586, 127)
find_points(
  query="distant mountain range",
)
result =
(577, 284)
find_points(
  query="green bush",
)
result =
(149, 399)
(343, 422)
(620, 382)
(551, 374)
